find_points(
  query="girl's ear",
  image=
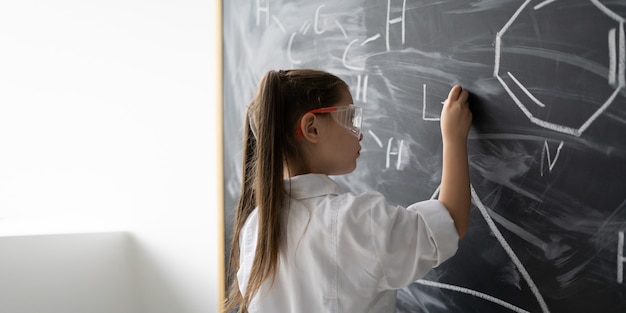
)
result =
(310, 126)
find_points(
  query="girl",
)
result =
(301, 244)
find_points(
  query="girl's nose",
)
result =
(361, 137)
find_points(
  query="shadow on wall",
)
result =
(95, 273)
(156, 288)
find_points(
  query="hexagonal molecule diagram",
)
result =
(561, 70)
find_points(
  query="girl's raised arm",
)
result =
(455, 193)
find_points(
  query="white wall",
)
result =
(108, 122)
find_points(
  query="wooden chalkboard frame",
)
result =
(219, 135)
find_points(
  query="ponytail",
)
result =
(244, 207)
(268, 181)
(262, 175)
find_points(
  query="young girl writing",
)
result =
(300, 243)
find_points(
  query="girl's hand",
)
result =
(456, 117)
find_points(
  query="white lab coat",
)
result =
(342, 252)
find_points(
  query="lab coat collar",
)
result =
(311, 185)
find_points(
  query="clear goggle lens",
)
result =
(349, 116)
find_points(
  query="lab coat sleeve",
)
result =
(410, 242)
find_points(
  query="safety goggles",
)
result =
(348, 116)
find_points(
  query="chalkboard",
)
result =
(547, 149)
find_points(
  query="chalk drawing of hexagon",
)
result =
(552, 62)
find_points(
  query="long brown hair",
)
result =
(269, 143)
